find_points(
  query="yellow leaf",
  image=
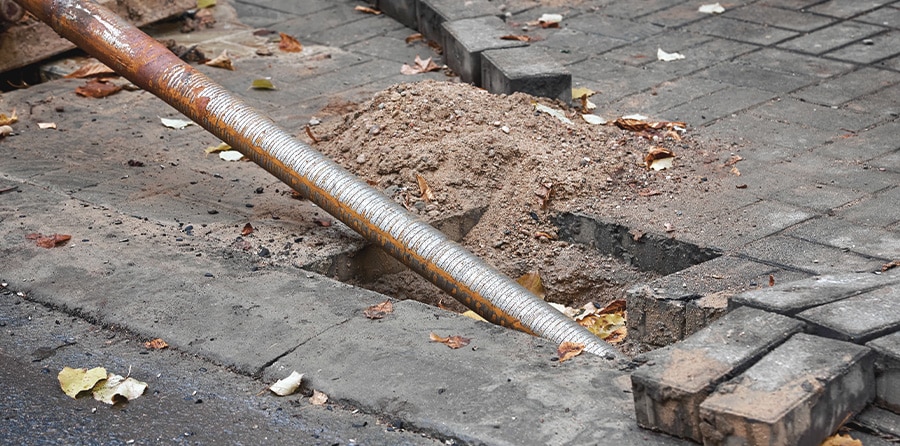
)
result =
(117, 387)
(532, 282)
(474, 315)
(578, 92)
(568, 350)
(201, 4)
(7, 120)
(425, 189)
(262, 84)
(74, 381)
(222, 147)
(222, 61)
(841, 440)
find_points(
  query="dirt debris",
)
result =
(476, 149)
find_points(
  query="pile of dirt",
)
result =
(475, 149)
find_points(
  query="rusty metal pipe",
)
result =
(148, 64)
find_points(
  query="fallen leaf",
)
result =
(636, 235)
(578, 92)
(97, 88)
(669, 227)
(532, 282)
(156, 344)
(616, 306)
(520, 38)
(310, 134)
(91, 69)
(219, 148)
(5, 130)
(714, 8)
(117, 387)
(544, 194)
(558, 114)
(419, 66)
(668, 57)
(176, 124)
(735, 171)
(424, 189)
(568, 350)
(231, 155)
(9, 120)
(46, 125)
(287, 386)
(380, 310)
(594, 119)
(289, 44)
(48, 241)
(222, 61)
(841, 440)
(473, 315)
(367, 10)
(771, 280)
(453, 342)
(733, 160)
(414, 38)
(318, 398)
(638, 123)
(659, 158)
(201, 4)
(262, 84)
(74, 381)
(890, 265)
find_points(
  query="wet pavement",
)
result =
(807, 93)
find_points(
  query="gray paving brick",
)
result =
(767, 140)
(643, 52)
(865, 145)
(328, 25)
(392, 46)
(403, 11)
(798, 394)
(664, 96)
(818, 197)
(883, 46)
(613, 80)
(818, 116)
(633, 10)
(465, 40)
(791, 62)
(741, 31)
(874, 313)
(793, 297)
(837, 91)
(826, 171)
(259, 16)
(842, 234)
(569, 46)
(433, 13)
(795, 5)
(742, 75)
(525, 69)
(779, 17)
(827, 39)
(884, 424)
(721, 104)
(627, 30)
(675, 17)
(675, 380)
(882, 105)
(889, 16)
(846, 9)
(887, 372)
(801, 254)
(878, 211)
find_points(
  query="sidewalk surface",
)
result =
(806, 92)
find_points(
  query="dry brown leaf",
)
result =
(568, 350)
(318, 398)
(735, 171)
(367, 10)
(453, 342)
(248, 229)
(771, 280)
(425, 190)
(222, 61)
(532, 282)
(544, 194)
(379, 311)
(48, 241)
(546, 235)
(289, 44)
(617, 336)
(520, 38)
(889, 265)
(616, 306)
(414, 38)
(156, 344)
(841, 440)
(419, 66)
(639, 125)
(91, 69)
(733, 160)
(97, 88)
(655, 154)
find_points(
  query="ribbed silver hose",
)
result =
(376, 217)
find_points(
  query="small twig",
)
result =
(8, 189)
(311, 136)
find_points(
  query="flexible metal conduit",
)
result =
(148, 64)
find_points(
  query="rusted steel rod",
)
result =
(148, 64)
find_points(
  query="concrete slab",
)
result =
(887, 372)
(476, 393)
(432, 14)
(797, 394)
(527, 70)
(880, 421)
(669, 388)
